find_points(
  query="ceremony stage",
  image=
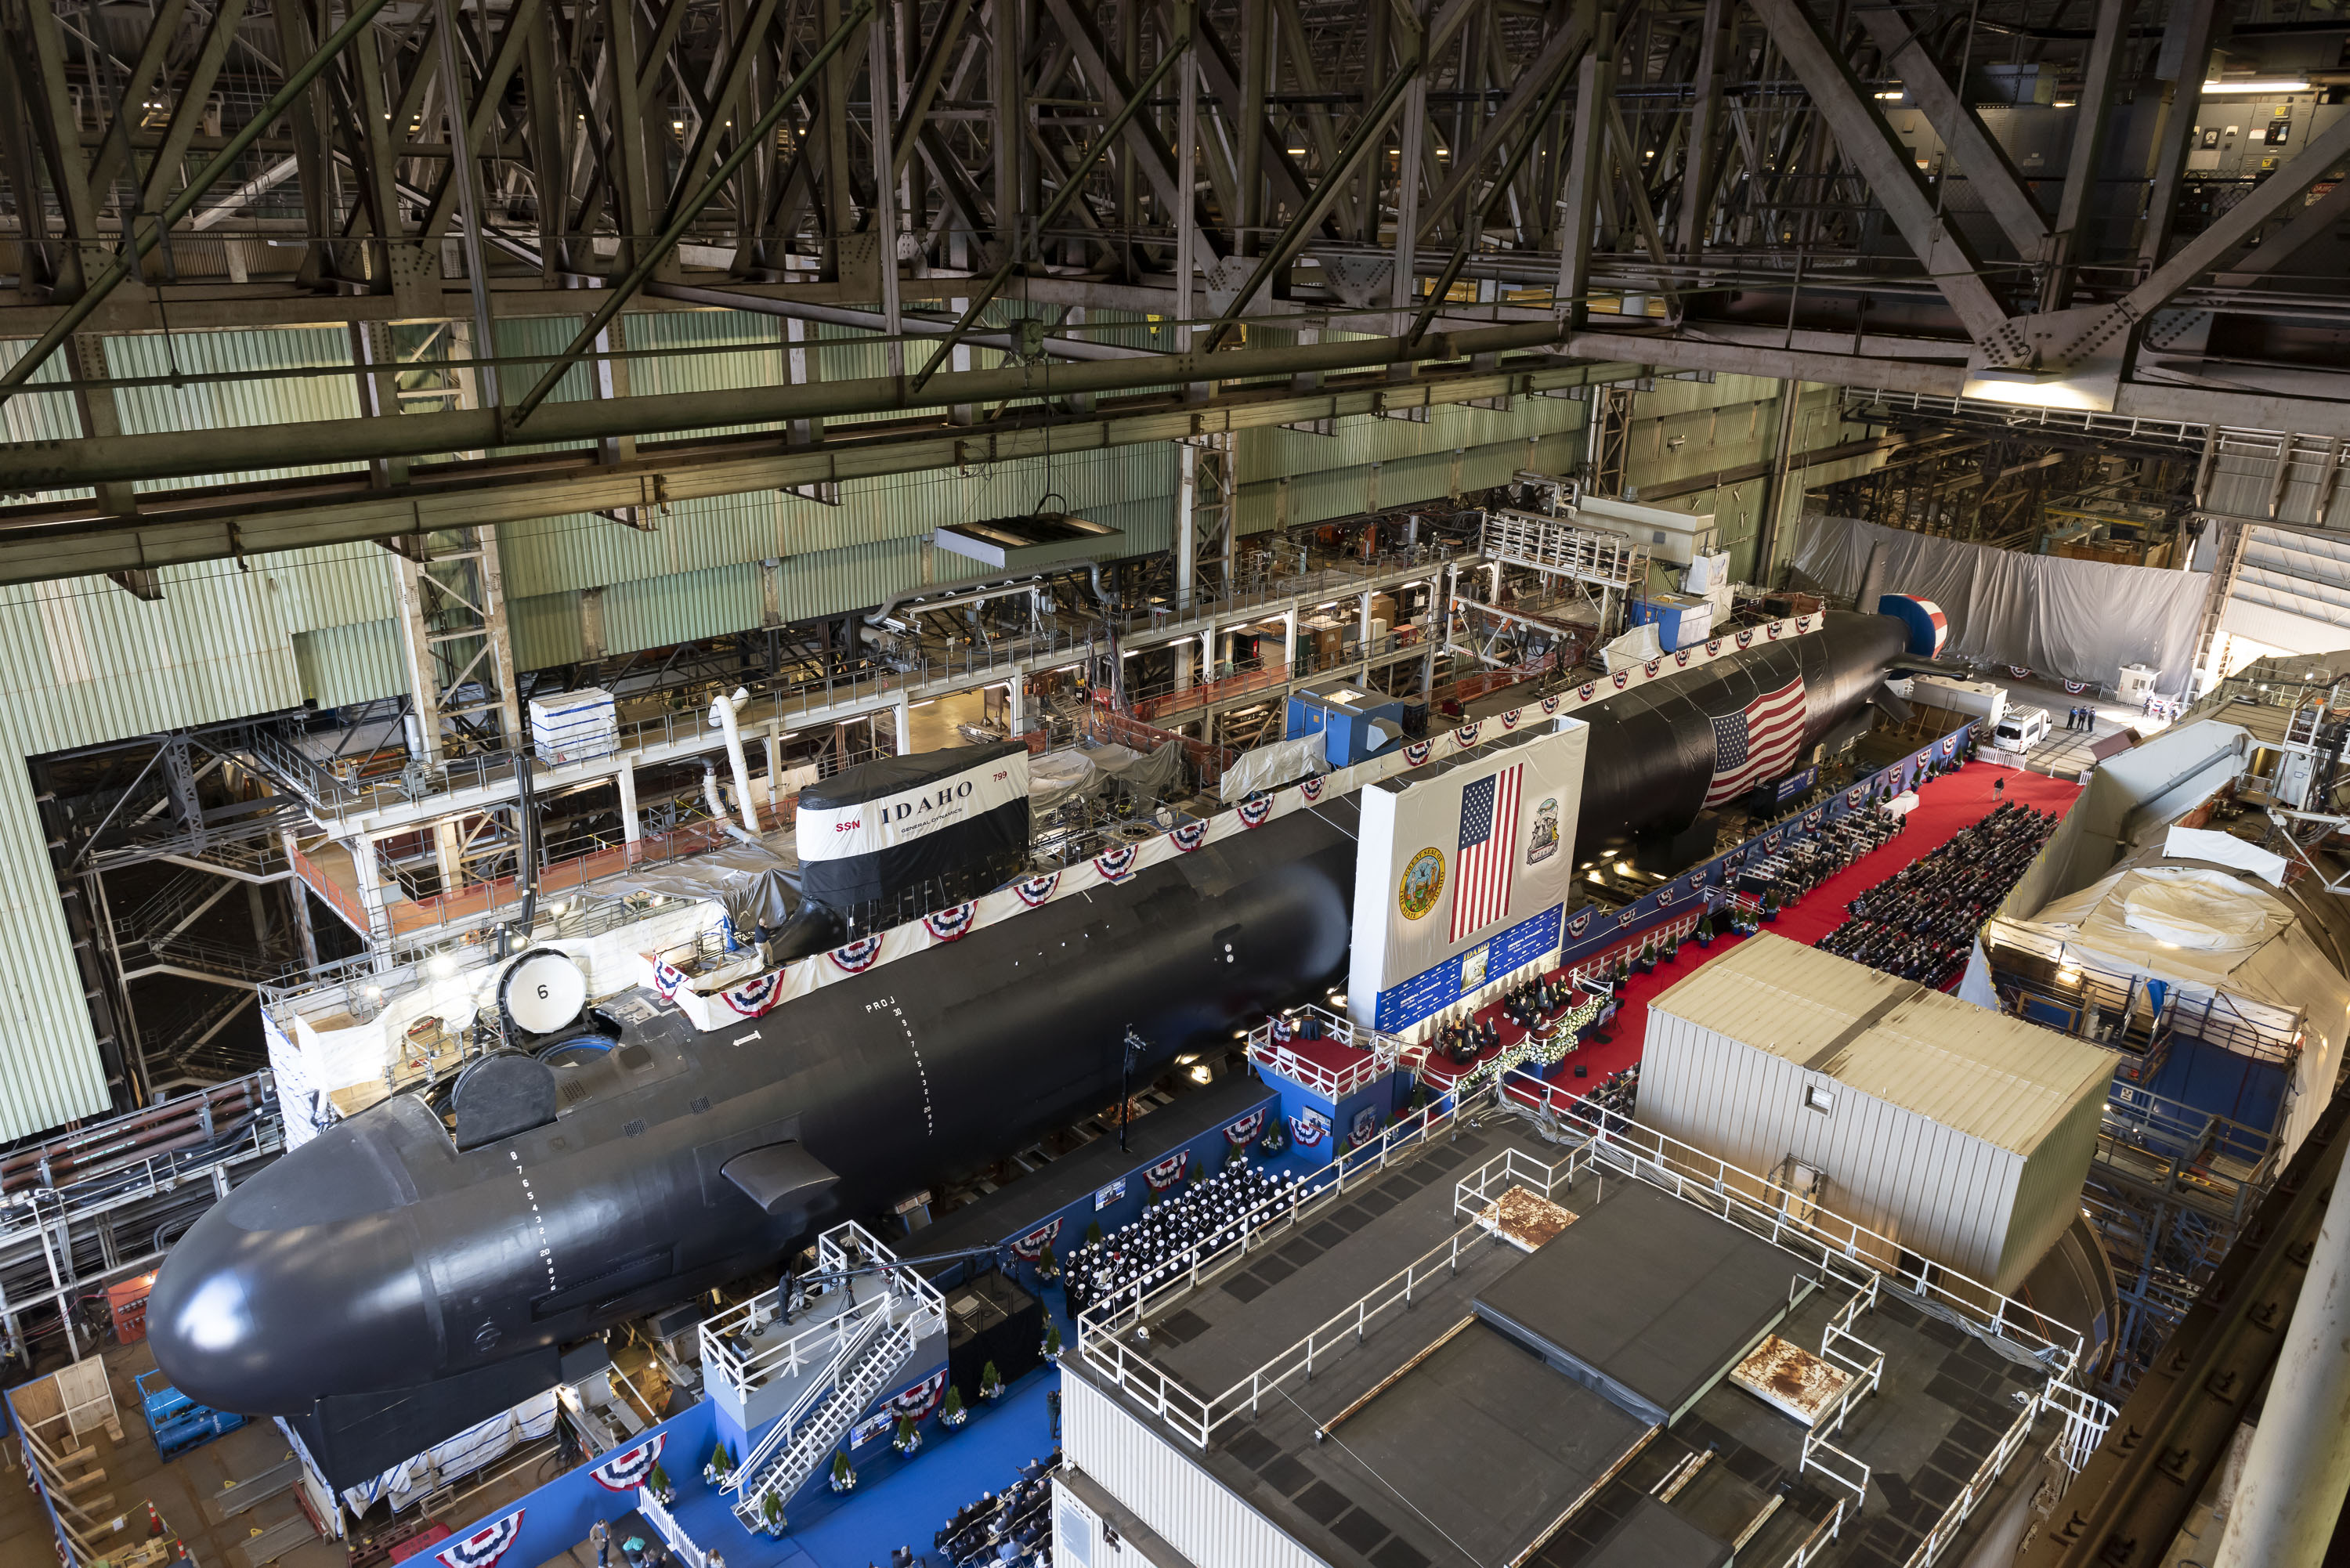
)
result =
(1945, 805)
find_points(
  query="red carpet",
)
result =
(1944, 806)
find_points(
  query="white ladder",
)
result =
(853, 1344)
(832, 1419)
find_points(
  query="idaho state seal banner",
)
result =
(1462, 854)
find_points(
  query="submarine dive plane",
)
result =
(392, 1278)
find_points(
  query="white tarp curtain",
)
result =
(1636, 647)
(2248, 944)
(461, 1455)
(1055, 777)
(1267, 767)
(2073, 620)
(2202, 844)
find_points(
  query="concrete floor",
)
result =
(195, 1493)
(2066, 752)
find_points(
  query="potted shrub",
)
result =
(1704, 931)
(771, 1506)
(658, 1483)
(952, 1415)
(721, 1466)
(907, 1436)
(991, 1383)
(1048, 1267)
(1052, 1342)
(844, 1479)
(1672, 948)
(1771, 904)
(1092, 1233)
(1649, 955)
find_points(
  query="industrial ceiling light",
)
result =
(2258, 84)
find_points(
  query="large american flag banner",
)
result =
(1757, 742)
(1489, 840)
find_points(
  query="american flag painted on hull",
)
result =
(1756, 743)
(1489, 842)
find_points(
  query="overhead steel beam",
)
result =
(50, 465)
(144, 236)
(684, 212)
(1870, 145)
(1989, 173)
(191, 527)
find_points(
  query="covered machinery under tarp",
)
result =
(1270, 766)
(2206, 932)
(1084, 771)
(758, 889)
(954, 821)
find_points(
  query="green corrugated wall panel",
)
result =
(658, 611)
(345, 664)
(544, 629)
(263, 402)
(40, 416)
(681, 330)
(335, 585)
(80, 662)
(835, 580)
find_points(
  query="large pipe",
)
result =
(59, 464)
(2299, 1462)
(724, 713)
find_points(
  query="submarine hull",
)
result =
(378, 1256)
(1653, 748)
(381, 1259)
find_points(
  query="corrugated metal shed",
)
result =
(1979, 1073)
(1959, 1133)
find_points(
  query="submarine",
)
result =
(421, 1265)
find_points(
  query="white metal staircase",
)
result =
(864, 1368)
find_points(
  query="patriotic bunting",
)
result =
(1579, 923)
(1415, 753)
(1466, 735)
(1680, 658)
(1116, 865)
(1650, 668)
(1031, 1247)
(484, 1547)
(1168, 1171)
(667, 978)
(1622, 677)
(1035, 891)
(1311, 788)
(1745, 637)
(1246, 1128)
(1713, 649)
(1308, 1130)
(752, 998)
(1255, 811)
(950, 925)
(2019, 672)
(1509, 718)
(627, 1471)
(2077, 687)
(919, 1399)
(1189, 837)
(1585, 692)
(857, 956)
(1550, 704)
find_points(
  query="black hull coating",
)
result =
(377, 1256)
(1651, 756)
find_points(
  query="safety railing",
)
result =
(1851, 1251)
(1274, 1046)
(1100, 1328)
(839, 1249)
(1979, 1485)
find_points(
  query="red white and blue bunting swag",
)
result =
(1168, 1171)
(754, 998)
(1031, 1247)
(723, 1005)
(2075, 687)
(1247, 1127)
(484, 1547)
(2020, 671)
(1309, 1130)
(920, 1399)
(629, 1470)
